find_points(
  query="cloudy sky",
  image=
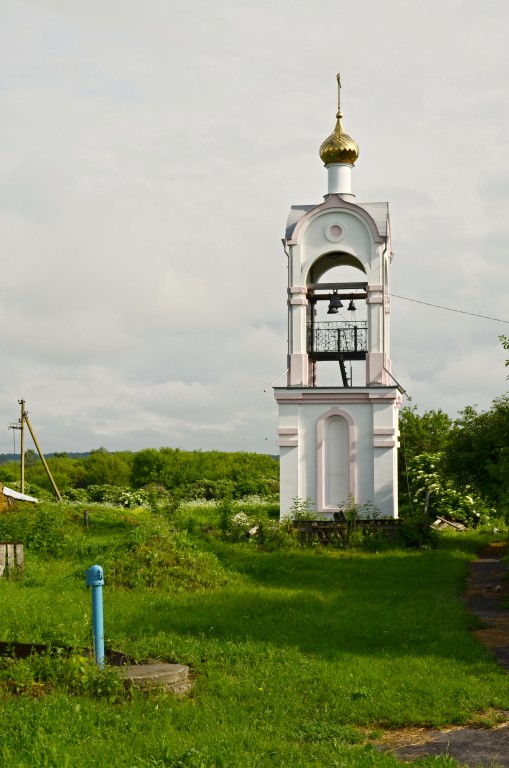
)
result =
(149, 153)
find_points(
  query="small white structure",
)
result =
(338, 439)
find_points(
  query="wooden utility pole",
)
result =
(22, 421)
(22, 446)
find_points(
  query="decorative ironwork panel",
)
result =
(340, 337)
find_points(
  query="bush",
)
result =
(439, 497)
(40, 528)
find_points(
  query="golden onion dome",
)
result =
(339, 147)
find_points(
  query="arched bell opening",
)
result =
(337, 321)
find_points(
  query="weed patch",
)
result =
(42, 674)
(169, 561)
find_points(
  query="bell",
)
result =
(335, 304)
(351, 306)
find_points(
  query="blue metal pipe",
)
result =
(94, 577)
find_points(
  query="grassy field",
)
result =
(301, 657)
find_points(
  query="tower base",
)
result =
(338, 444)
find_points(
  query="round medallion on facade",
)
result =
(333, 232)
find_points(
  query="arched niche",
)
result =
(336, 476)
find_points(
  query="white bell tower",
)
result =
(338, 414)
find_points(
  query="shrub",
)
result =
(439, 497)
(40, 528)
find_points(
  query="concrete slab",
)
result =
(172, 678)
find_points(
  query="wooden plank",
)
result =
(20, 558)
(3, 554)
(11, 563)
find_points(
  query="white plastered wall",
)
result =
(372, 418)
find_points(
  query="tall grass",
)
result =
(299, 657)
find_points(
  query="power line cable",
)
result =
(449, 309)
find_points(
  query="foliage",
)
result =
(302, 509)
(424, 433)
(203, 473)
(99, 476)
(41, 528)
(463, 464)
(353, 536)
(66, 471)
(505, 344)
(420, 433)
(354, 511)
(436, 494)
(240, 523)
(74, 673)
(104, 468)
(477, 452)
(273, 535)
(159, 558)
(121, 497)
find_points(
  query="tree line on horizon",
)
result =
(188, 474)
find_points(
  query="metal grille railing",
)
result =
(344, 336)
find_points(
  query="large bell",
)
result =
(335, 304)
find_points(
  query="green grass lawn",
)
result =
(301, 657)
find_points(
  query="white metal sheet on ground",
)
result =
(17, 495)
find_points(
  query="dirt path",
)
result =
(487, 589)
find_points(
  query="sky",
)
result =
(149, 155)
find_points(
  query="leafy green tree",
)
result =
(435, 495)
(477, 451)
(67, 472)
(204, 473)
(147, 467)
(9, 472)
(425, 433)
(31, 458)
(104, 468)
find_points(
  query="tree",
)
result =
(31, 458)
(420, 433)
(104, 468)
(147, 468)
(505, 344)
(477, 451)
(433, 494)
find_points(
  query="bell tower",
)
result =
(338, 414)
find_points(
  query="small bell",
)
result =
(351, 306)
